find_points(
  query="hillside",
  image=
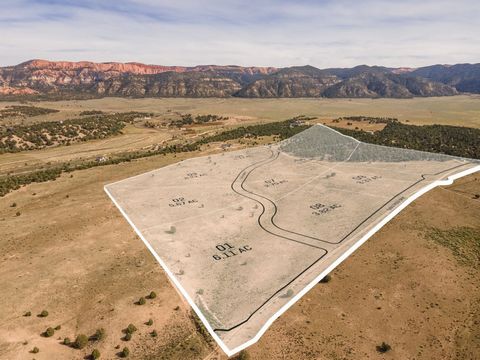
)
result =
(46, 79)
(387, 85)
(305, 81)
(464, 77)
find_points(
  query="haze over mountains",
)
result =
(40, 78)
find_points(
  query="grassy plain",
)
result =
(455, 110)
(69, 251)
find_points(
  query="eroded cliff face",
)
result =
(64, 79)
(125, 79)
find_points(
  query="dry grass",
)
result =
(77, 257)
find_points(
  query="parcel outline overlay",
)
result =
(245, 234)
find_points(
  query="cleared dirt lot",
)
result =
(246, 231)
(79, 259)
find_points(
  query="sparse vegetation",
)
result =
(282, 129)
(326, 279)
(201, 328)
(24, 111)
(44, 134)
(131, 328)
(243, 355)
(80, 341)
(91, 112)
(49, 332)
(99, 335)
(188, 119)
(141, 301)
(125, 352)
(451, 140)
(464, 242)
(172, 230)
(369, 119)
(95, 354)
(383, 347)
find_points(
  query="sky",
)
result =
(322, 33)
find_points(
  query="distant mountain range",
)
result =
(47, 79)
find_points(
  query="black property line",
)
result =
(360, 224)
(260, 163)
(256, 165)
(311, 265)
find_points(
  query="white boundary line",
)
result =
(298, 296)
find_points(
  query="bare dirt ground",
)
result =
(230, 200)
(70, 252)
(77, 258)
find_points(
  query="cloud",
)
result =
(322, 33)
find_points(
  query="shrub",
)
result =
(81, 341)
(58, 327)
(141, 301)
(244, 355)
(128, 336)
(28, 313)
(44, 313)
(125, 352)
(172, 230)
(149, 322)
(49, 332)
(18, 213)
(154, 333)
(99, 335)
(95, 354)
(13, 204)
(130, 329)
(67, 341)
(383, 347)
(152, 295)
(35, 350)
(326, 279)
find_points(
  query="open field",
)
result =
(453, 110)
(77, 258)
(69, 251)
(131, 139)
(288, 211)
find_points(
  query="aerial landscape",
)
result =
(316, 200)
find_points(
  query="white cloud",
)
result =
(264, 32)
